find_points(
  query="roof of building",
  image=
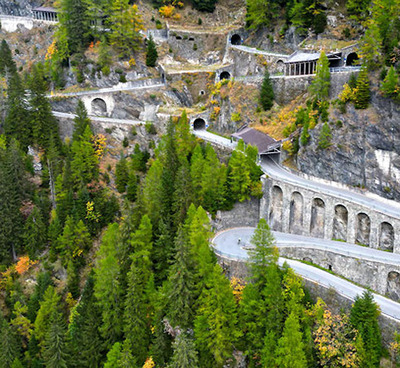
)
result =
(299, 56)
(256, 138)
(45, 9)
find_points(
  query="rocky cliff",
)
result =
(365, 149)
(18, 7)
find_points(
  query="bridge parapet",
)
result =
(295, 209)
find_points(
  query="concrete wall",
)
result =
(320, 218)
(335, 301)
(245, 213)
(288, 88)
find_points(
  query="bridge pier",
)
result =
(307, 215)
(285, 214)
(329, 215)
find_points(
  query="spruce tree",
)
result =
(267, 93)
(121, 174)
(35, 233)
(196, 172)
(239, 174)
(362, 92)
(325, 137)
(54, 347)
(320, 85)
(7, 64)
(8, 345)
(81, 121)
(44, 124)
(181, 288)
(151, 53)
(185, 354)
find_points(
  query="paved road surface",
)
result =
(226, 243)
(382, 205)
(253, 50)
(210, 137)
(98, 118)
(117, 88)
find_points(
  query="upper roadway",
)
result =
(226, 243)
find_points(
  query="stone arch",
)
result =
(317, 225)
(351, 58)
(199, 124)
(280, 66)
(202, 92)
(276, 208)
(386, 236)
(225, 75)
(296, 214)
(191, 39)
(393, 285)
(307, 259)
(363, 229)
(98, 107)
(178, 37)
(236, 39)
(340, 222)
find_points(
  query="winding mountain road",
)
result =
(226, 243)
(99, 119)
(370, 200)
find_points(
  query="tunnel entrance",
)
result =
(352, 59)
(99, 107)
(276, 210)
(224, 75)
(199, 124)
(236, 40)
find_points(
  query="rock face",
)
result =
(365, 149)
(18, 7)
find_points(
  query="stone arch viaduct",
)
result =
(292, 206)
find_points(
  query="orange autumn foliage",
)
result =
(24, 264)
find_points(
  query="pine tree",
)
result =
(196, 171)
(370, 46)
(362, 92)
(389, 85)
(113, 356)
(54, 348)
(151, 53)
(358, 9)
(239, 174)
(325, 137)
(290, 350)
(185, 354)
(267, 93)
(205, 5)
(320, 85)
(364, 317)
(81, 121)
(43, 282)
(261, 13)
(185, 140)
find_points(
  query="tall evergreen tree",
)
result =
(320, 85)
(290, 350)
(151, 53)
(54, 349)
(267, 93)
(390, 83)
(121, 174)
(185, 354)
(364, 317)
(81, 121)
(35, 233)
(362, 95)
(44, 124)
(7, 64)
(8, 345)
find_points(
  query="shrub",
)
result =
(122, 78)
(150, 128)
(325, 137)
(125, 142)
(199, 22)
(134, 131)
